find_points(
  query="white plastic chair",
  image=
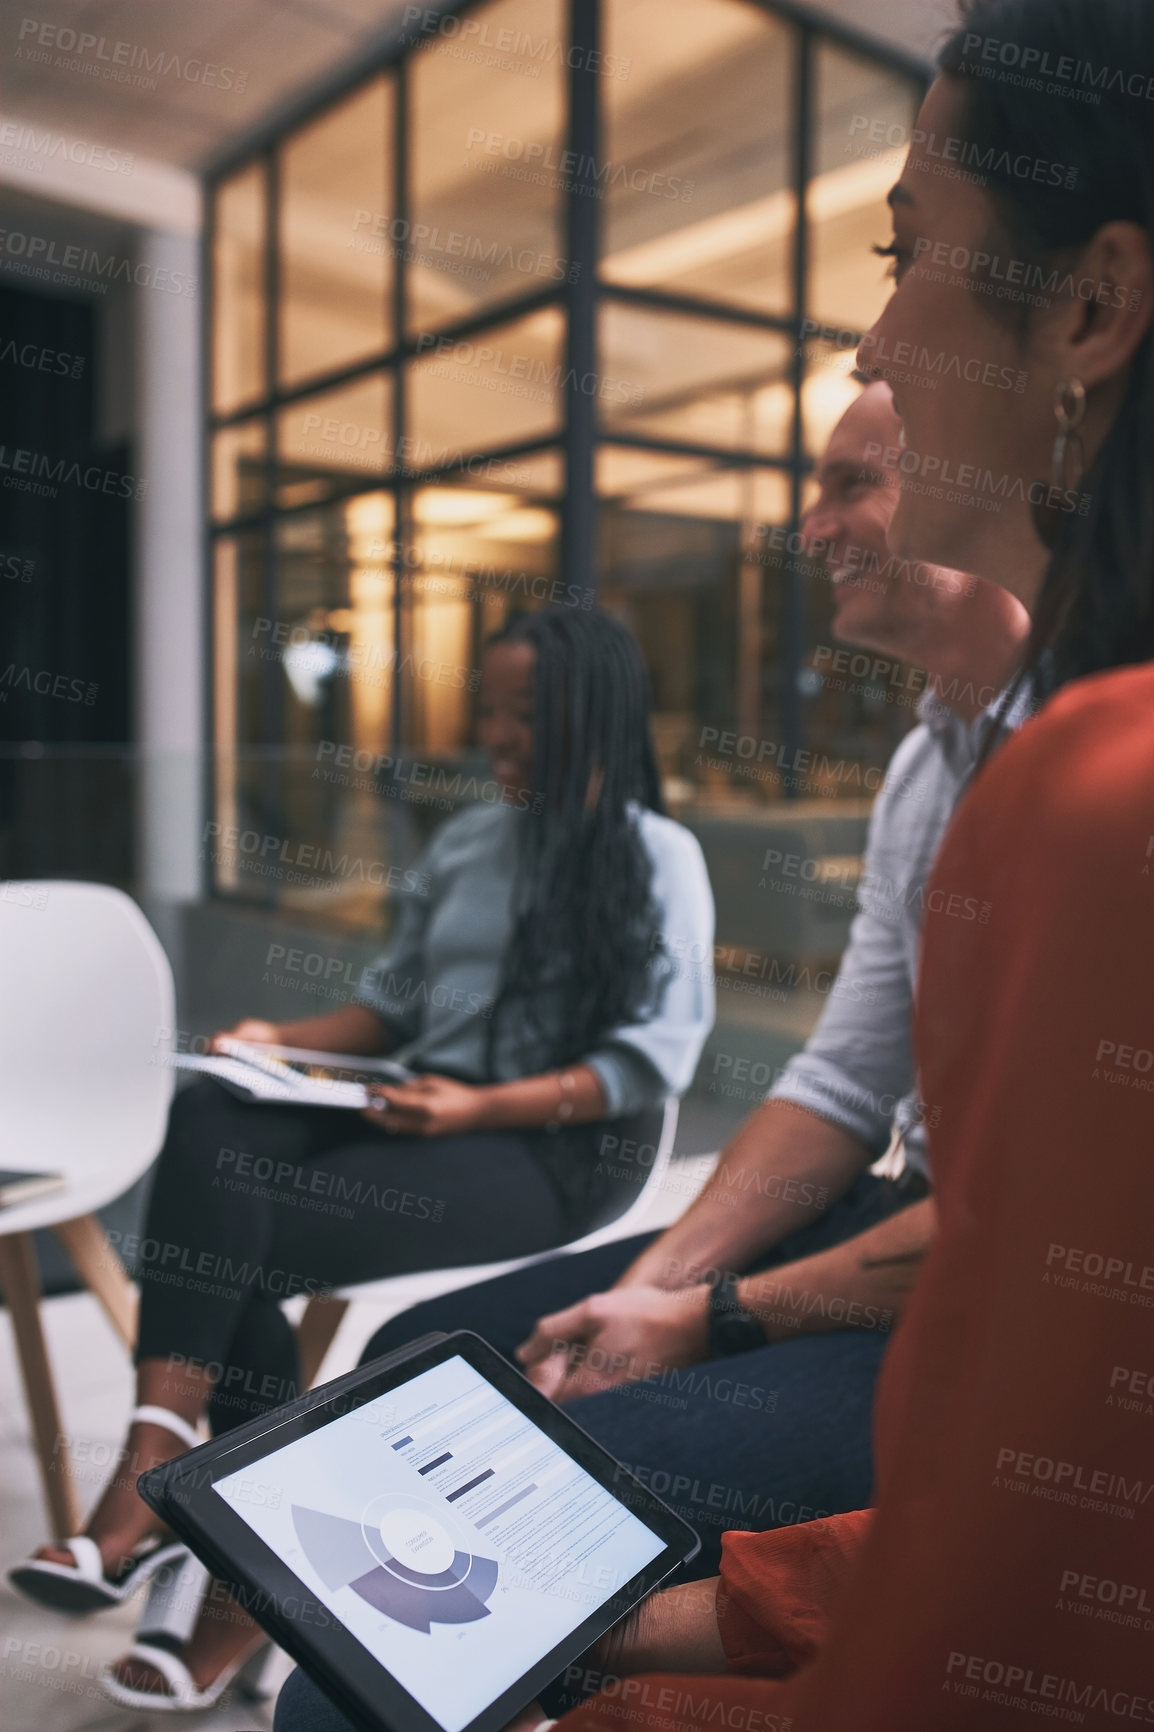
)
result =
(323, 1313)
(86, 1022)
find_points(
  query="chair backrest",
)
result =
(657, 1132)
(87, 1010)
(663, 1122)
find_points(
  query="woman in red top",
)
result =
(1006, 1576)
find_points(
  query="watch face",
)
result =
(734, 1332)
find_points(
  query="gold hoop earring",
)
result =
(1068, 463)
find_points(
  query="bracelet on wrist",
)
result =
(566, 1105)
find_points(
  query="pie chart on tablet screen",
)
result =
(406, 1556)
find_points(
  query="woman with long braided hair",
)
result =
(586, 932)
(548, 979)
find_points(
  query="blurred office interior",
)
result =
(377, 321)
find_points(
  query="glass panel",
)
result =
(481, 393)
(487, 150)
(344, 840)
(692, 487)
(698, 165)
(694, 558)
(828, 391)
(239, 709)
(336, 236)
(862, 128)
(238, 326)
(238, 470)
(702, 381)
(503, 540)
(622, 471)
(337, 437)
(541, 473)
(677, 558)
(476, 555)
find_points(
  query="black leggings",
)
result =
(252, 1204)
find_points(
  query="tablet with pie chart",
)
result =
(434, 1545)
(421, 1572)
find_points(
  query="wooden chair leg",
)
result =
(20, 1281)
(102, 1272)
(315, 1333)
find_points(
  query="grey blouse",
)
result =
(435, 984)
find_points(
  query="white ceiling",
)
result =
(280, 46)
(274, 52)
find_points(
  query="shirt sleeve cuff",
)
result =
(778, 1589)
(629, 1083)
(368, 1001)
(832, 1099)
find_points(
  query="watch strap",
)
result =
(730, 1328)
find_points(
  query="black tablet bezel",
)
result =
(182, 1492)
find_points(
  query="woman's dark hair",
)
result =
(1096, 122)
(585, 927)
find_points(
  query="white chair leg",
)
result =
(20, 1281)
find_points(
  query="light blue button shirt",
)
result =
(435, 984)
(857, 1068)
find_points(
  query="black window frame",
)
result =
(580, 298)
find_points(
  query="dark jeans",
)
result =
(251, 1204)
(763, 1440)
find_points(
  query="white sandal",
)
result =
(175, 1598)
(183, 1696)
(82, 1586)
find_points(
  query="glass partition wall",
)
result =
(559, 301)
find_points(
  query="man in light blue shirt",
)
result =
(856, 1069)
(838, 1102)
(792, 1193)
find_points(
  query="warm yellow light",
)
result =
(458, 505)
(620, 469)
(527, 525)
(370, 586)
(772, 412)
(841, 190)
(765, 220)
(370, 514)
(826, 395)
(734, 496)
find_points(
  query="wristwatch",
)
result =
(731, 1328)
